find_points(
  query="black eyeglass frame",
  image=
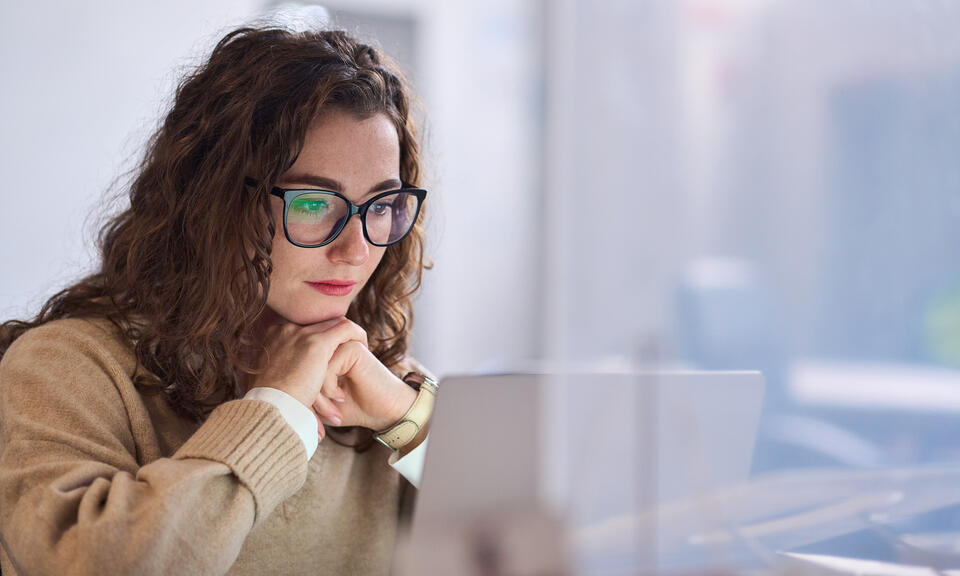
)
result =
(289, 194)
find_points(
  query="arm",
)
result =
(73, 498)
(408, 461)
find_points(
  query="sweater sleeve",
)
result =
(298, 416)
(73, 499)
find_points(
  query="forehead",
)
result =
(353, 150)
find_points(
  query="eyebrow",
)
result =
(333, 185)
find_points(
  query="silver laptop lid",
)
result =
(584, 448)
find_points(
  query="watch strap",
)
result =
(416, 417)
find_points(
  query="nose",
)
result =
(350, 247)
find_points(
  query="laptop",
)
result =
(557, 471)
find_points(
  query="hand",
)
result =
(359, 390)
(306, 362)
(299, 357)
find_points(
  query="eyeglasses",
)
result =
(314, 218)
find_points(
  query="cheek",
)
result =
(280, 258)
(279, 253)
(376, 257)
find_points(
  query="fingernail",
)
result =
(340, 400)
(336, 420)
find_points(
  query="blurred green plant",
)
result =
(942, 328)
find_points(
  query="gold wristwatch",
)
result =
(401, 433)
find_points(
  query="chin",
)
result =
(304, 307)
(306, 317)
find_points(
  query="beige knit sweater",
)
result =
(97, 479)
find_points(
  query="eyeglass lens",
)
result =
(317, 218)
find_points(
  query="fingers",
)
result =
(345, 358)
(331, 387)
(342, 331)
(301, 354)
(328, 413)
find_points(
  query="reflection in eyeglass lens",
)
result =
(312, 218)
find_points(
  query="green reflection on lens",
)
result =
(309, 206)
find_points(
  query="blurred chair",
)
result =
(727, 319)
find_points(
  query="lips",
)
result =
(333, 287)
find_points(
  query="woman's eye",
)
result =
(381, 208)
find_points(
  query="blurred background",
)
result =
(717, 184)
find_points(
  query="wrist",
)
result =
(412, 425)
(405, 399)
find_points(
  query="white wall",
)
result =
(615, 213)
(83, 85)
(480, 305)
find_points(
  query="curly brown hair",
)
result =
(185, 269)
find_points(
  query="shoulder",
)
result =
(66, 341)
(65, 383)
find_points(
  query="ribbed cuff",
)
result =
(263, 451)
(294, 412)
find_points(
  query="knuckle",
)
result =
(356, 346)
(360, 333)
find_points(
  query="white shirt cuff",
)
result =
(301, 418)
(411, 465)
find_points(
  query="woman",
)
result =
(169, 414)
